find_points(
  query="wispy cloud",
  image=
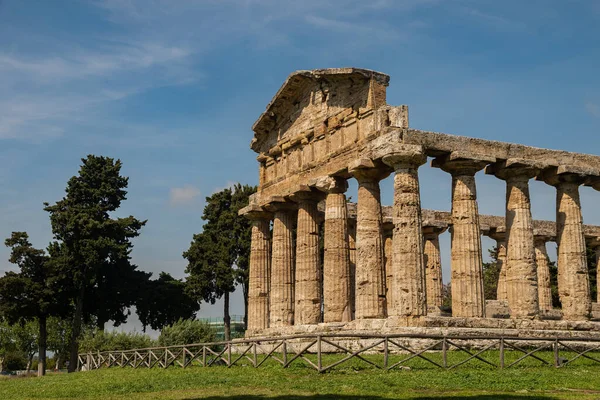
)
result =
(184, 196)
(593, 109)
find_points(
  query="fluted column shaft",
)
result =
(501, 291)
(433, 270)
(282, 269)
(258, 279)
(369, 291)
(521, 272)
(573, 280)
(308, 276)
(466, 259)
(543, 274)
(336, 263)
(388, 248)
(408, 271)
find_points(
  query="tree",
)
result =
(7, 342)
(164, 301)
(186, 331)
(218, 257)
(491, 274)
(91, 246)
(37, 292)
(26, 341)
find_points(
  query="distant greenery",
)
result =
(300, 382)
(186, 332)
(103, 341)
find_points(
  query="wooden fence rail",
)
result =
(446, 352)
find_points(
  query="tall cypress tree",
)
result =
(218, 257)
(92, 246)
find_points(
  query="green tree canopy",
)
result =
(92, 246)
(218, 258)
(39, 290)
(186, 331)
(164, 301)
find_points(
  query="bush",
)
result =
(105, 341)
(186, 331)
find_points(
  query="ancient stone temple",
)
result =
(319, 262)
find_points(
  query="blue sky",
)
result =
(173, 87)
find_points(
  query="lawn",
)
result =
(354, 380)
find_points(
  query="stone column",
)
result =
(352, 248)
(336, 263)
(573, 280)
(281, 299)
(594, 243)
(388, 232)
(543, 273)
(433, 268)
(408, 272)
(466, 259)
(369, 290)
(260, 265)
(499, 235)
(521, 271)
(308, 276)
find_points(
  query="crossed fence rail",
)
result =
(315, 350)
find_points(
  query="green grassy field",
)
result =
(354, 380)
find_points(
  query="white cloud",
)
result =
(593, 109)
(185, 195)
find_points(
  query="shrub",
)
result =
(186, 331)
(105, 341)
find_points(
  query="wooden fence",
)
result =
(387, 352)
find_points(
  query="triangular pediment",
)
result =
(309, 101)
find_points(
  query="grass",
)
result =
(353, 380)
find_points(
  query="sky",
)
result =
(172, 88)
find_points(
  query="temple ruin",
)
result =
(381, 269)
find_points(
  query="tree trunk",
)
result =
(57, 364)
(29, 362)
(245, 290)
(226, 317)
(74, 345)
(43, 338)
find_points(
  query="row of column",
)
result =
(273, 302)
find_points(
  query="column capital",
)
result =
(460, 163)
(514, 169)
(279, 203)
(432, 231)
(330, 184)
(405, 155)
(563, 175)
(540, 238)
(304, 193)
(367, 170)
(256, 213)
(593, 242)
(497, 233)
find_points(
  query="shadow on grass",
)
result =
(347, 397)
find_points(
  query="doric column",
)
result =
(258, 277)
(336, 263)
(388, 247)
(352, 249)
(369, 290)
(466, 258)
(433, 268)
(543, 272)
(281, 299)
(408, 272)
(521, 272)
(499, 235)
(594, 244)
(308, 276)
(573, 280)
